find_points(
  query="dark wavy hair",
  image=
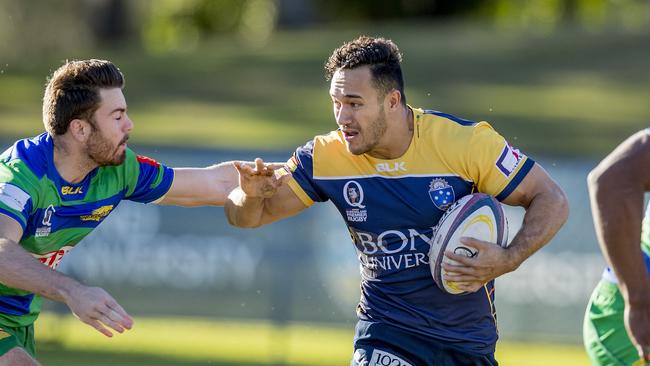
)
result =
(72, 92)
(380, 54)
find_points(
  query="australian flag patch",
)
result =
(441, 193)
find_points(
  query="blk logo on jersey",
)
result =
(67, 190)
(441, 193)
(353, 195)
(509, 160)
(391, 167)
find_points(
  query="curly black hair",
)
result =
(380, 54)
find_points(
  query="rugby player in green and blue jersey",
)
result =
(617, 321)
(57, 187)
(392, 170)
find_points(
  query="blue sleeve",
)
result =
(154, 180)
(301, 167)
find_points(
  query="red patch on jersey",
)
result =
(146, 160)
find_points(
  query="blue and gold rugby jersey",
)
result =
(55, 214)
(391, 208)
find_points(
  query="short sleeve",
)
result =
(148, 179)
(493, 164)
(302, 182)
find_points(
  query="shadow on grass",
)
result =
(53, 354)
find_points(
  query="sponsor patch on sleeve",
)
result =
(509, 160)
(12, 196)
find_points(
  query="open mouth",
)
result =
(349, 134)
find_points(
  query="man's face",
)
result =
(358, 111)
(107, 142)
(352, 193)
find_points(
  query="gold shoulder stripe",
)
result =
(295, 187)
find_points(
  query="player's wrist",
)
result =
(68, 290)
(513, 258)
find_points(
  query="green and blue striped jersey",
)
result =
(56, 215)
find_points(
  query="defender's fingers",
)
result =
(113, 324)
(275, 166)
(119, 314)
(259, 165)
(239, 166)
(97, 325)
(278, 182)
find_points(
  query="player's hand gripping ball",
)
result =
(478, 216)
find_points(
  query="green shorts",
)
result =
(604, 334)
(17, 337)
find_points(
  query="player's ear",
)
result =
(80, 129)
(393, 99)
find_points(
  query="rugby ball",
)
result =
(478, 216)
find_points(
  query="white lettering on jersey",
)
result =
(508, 160)
(366, 244)
(12, 196)
(383, 358)
(388, 167)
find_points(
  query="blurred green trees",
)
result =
(38, 27)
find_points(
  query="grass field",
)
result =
(195, 341)
(567, 93)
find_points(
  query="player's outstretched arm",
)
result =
(616, 188)
(209, 186)
(546, 211)
(261, 197)
(19, 269)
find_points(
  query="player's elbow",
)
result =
(562, 204)
(598, 179)
(593, 179)
(243, 224)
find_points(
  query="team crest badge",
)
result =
(441, 193)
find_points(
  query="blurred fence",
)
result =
(169, 260)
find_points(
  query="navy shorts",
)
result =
(377, 344)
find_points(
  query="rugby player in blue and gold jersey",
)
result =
(57, 187)
(392, 171)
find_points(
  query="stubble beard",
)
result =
(100, 150)
(375, 132)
